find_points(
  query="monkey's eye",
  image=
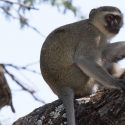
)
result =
(118, 18)
(109, 17)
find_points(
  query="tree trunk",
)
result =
(106, 107)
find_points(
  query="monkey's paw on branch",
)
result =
(105, 107)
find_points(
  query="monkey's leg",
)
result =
(111, 55)
(114, 52)
(67, 97)
(115, 70)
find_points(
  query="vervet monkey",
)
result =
(72, 54)
(5, 92)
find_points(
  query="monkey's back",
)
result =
(57, 57)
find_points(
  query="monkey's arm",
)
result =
(86, 60)
(114, 52)
(93, 70)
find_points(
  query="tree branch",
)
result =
(7, 12)
(23, 68)
(32, 92)
(22, 19)
(20, 4)
(106, 107)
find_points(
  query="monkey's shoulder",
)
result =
(76, 29)
(73, 27)
(71, 34)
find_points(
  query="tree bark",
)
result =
(105, 107)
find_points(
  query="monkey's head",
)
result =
(107, 19)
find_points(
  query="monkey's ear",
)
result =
(92, 13)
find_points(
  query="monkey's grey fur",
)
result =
(73, 54)
(110, 57)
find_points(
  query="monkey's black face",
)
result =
(113, 23)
